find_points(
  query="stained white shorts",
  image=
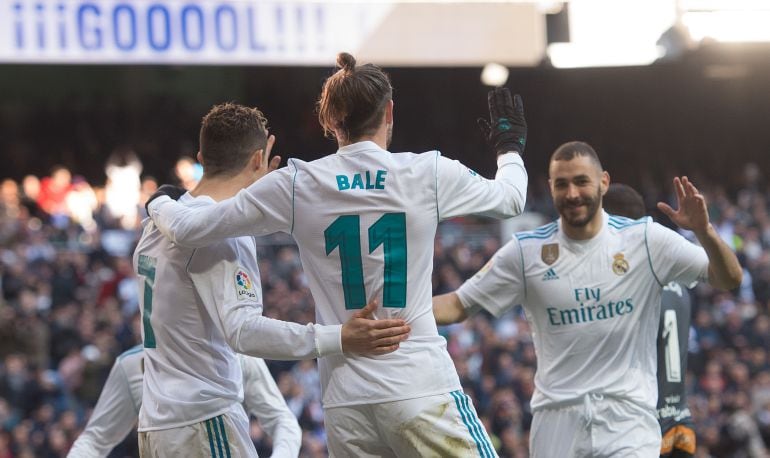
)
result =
(441, 426)
(223, 436)
(596, 427)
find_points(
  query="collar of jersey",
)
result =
(588, 244)
(358, 147)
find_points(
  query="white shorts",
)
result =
(597, 427)
(224, 436)
(441, 426)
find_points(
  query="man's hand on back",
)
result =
(365, 335)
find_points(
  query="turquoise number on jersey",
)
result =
(390, 232)
(345, 233)
(147, 269)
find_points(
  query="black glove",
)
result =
(506, 129)
(175, 192)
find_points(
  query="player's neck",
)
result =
(220, 188)
(380, 138)
(585, 232)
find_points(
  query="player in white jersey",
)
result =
(118, 406)
(200, 305)
(364, 220)
(674, 415)
(590, 284)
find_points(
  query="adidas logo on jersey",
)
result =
(550, 274)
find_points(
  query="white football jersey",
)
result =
(196, 304)
(365, 221)
(593, 305)
(118, 406)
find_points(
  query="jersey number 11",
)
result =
(390, 232)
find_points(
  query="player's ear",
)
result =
(255, 163)
(199, 157)
(605, 182)
(389, 112)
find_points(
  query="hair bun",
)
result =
(346, 62)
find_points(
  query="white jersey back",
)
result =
(594, 305)
(191, 374)
(364, 220)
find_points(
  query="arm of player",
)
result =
(447, 309)
(251, 333)
(111, 420)
(263, 400)
(724, 270)
(461, 191)
(232, 288)
(263, 208)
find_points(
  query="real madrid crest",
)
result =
(620, 265)
(549, 253)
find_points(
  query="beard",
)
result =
(570, 210)
(389, 136)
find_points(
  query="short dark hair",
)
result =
(230, 133)
(623, 200)
(569, 150)
(353, 99)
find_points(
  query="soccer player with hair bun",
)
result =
(365, 220)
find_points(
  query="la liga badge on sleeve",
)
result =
(243, 285)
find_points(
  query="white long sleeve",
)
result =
(116, 411)
(263, 399)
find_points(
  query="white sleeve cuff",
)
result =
(509, 158)
(471, 307)
(328, 339)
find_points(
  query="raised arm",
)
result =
(262, 208)
(724, 270)
(461, 191)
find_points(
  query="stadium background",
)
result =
(69, 304)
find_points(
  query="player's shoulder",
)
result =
(538, 235)
(232, 248)
(618, 223)
(130, 358)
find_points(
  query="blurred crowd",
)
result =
(69, 306)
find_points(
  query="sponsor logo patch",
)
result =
(243, 286)
(550, 274)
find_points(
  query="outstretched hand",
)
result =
(691, 213)
(365, 335)
(506, 129)
(268, 164)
